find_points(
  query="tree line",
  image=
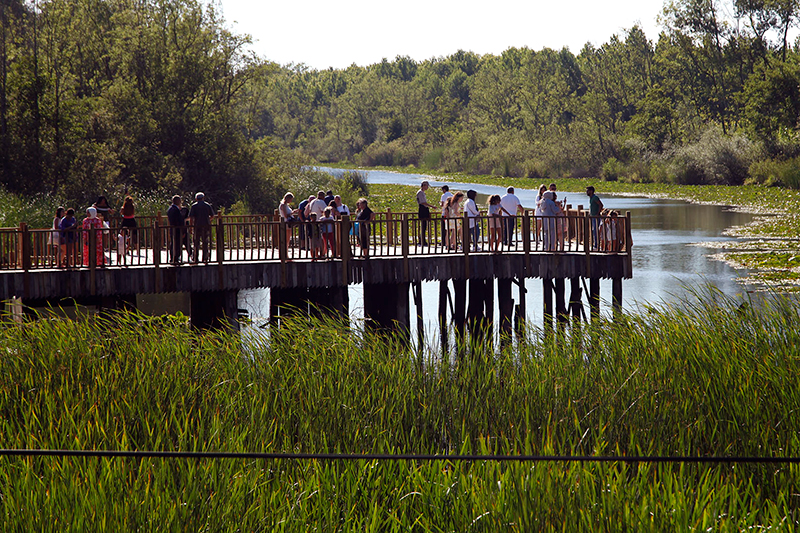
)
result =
(157, 96)
(715, 99)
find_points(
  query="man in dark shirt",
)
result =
(177, 227)
(200, 216)
(301, 208)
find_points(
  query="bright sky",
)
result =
(338, 33)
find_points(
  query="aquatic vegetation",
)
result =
(710, 377)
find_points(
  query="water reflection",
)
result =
(666, 261)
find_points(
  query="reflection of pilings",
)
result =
(386, 307)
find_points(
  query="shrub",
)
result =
(433, 158)
(771, 172)
(713, 159)
(612, 169)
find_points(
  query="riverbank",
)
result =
(724, 385)
(768, 247)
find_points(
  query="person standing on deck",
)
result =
(200, 216)
(595, 208)
(342, 208)
(443, 205)
(473, 214)
(177, 229)
(512, 206)
(424, 212)
(317, 206)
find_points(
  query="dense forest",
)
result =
(157, 96)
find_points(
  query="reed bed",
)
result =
(712, 376)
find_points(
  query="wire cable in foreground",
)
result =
(398, 457)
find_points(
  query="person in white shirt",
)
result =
(317, 206)
(471, 208)
(342, 208)
(511, 204)
(446, 194)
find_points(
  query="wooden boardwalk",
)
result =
(249, 252)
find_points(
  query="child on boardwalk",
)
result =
(315, 237)
(327, 231)
(122, 246)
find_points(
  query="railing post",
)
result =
(390, 228)
(344, 244)
(283, 249)
(465, 242)
(92, 246)
(587, 242)
(157, 250)
(156, 243)
(628, 241)
(404, 245)
(526, 240)
(220, 241)
(25, 246)
(24, 250)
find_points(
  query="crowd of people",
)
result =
(502, 213)
(311, 225)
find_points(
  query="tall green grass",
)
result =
(711, 377)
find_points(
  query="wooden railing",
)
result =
(263, 238)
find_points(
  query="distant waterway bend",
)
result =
(669, 259)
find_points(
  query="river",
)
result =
(669, 260)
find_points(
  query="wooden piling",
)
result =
(562, 314)
(547, 300)
(594, 297)
(575, 299)
(616, 296)
(505, 302)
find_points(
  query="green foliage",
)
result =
(773, 172)
(611, 169)
(724, 383)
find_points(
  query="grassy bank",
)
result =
(769, 247)
(712, 378)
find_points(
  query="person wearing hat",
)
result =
(200, 216)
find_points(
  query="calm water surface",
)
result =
(666, 260)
